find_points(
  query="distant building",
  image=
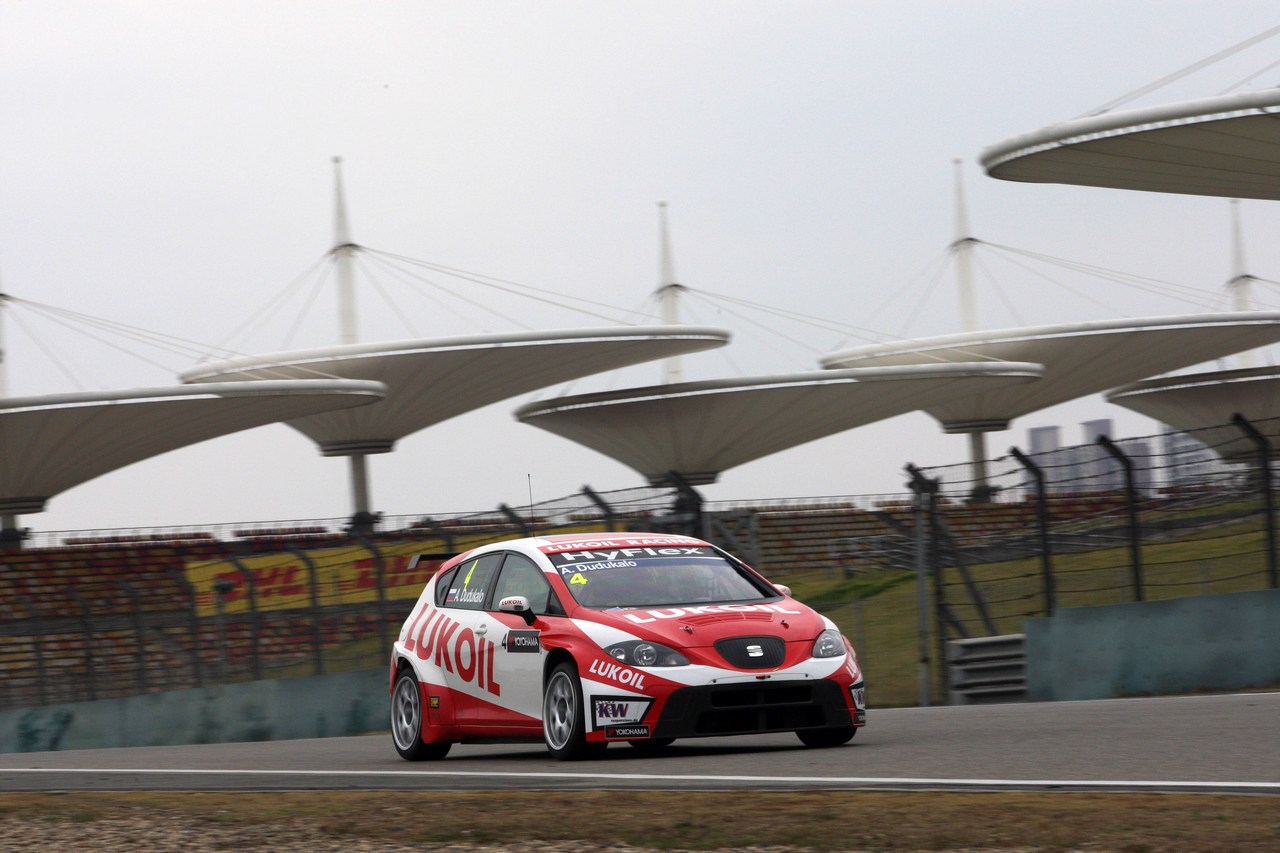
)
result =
(1186, 459)
(1145, 465)
(1088, 467)
(1056, 463)
(1093, 430)
(1043, 439)
(1046, 452)
(1098, 470)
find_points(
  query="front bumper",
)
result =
(745, 708)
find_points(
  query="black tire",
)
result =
(564, 722)
(826, 737)
(407, 721)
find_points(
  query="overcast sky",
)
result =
(167, 166)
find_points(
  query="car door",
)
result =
(463, 651)
(519, 649)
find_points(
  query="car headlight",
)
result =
(645, 653)
(829, 644)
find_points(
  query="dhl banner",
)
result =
(345, 575)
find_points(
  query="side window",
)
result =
(442, 585)
(469, 585)
(520, 576)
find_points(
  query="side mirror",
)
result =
(782, 588)
(519, 605)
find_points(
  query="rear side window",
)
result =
(442, 585)
(467, 587)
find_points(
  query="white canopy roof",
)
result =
(1079, 359)
(432, 380)
(1205, 403)
(700, 429)
(51, 443)
(1223, 146)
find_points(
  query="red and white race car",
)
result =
(585, 640)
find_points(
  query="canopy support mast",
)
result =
(4, 353)
(10, 535)
(668, 294)
(962, 248)
(1239, 282)
(343, 251)
(362, 519)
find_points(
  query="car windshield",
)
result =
(646, 577)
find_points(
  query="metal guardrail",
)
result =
(986, 670)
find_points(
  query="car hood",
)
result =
(693, 626)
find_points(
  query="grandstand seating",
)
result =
(106, 616)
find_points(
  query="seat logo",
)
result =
(755, 651)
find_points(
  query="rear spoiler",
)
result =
(440, 557)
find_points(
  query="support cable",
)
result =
(1178, 75)
(507, 286)
(272, 306)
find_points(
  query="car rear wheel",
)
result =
(826, 737)
(564, 725)
(408, 721)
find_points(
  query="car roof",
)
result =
(560, 542)
(612, 540)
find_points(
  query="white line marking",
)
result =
(658, 777)
(1263, 694)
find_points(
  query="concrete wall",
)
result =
(1222, 642)
(318, 706)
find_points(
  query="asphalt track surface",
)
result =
(1220, 743)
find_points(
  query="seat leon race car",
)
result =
(585, 640)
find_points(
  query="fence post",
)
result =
(255, 638)
(193, 623)
(379, 569)
(42, 678)
(317, 638)
(1268, 501)
(90, 667)
(922, 490)
(688, 505)
(135, 605)
(1131, 501)
(516, 521)
(603, 506)
(437, 529)
(222, 586)
(940, 609)
(1042, 521)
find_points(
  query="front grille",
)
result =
(784, 718)
(760, 708)
(752, 652)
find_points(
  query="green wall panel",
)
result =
(318, 706)
(1211, 642)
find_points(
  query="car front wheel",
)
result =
(408, 721)
(564, 725)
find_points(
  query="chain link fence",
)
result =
(99, 614)
(1162, 516)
